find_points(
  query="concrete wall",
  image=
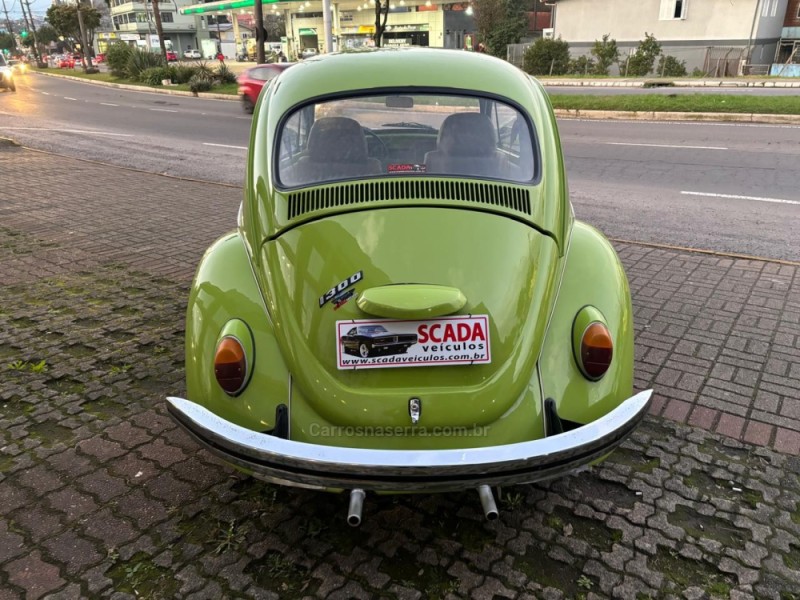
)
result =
(705, 20)
(706, 23)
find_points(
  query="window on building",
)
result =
(166, 17)
(672, 10)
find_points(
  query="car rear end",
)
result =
(436, 209)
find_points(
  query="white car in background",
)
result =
(192, 54)
(6, 75)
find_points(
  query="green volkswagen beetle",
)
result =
(407, 303)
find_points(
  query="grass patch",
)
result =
(725, 489)
(683, 573)
(227, 88)
(143, 578)
(712, 528)
(405, 570)
(548, 572)
(635, 460)
(591, 531)
(695, 102)
(278, 573)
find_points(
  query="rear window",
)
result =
(405, 135)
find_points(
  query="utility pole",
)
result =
(87, 61)
(8, 24)
(258, 14)
(32, 25)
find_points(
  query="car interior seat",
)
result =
(337, 149)
(467, 145)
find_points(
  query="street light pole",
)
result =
(32, 26)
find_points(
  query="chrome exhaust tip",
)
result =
(488, 503)
(356, 504)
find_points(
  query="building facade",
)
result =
(133, 23)
(427, 23)
(718, 37)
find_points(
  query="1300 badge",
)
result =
(340, 287)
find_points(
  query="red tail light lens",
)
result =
(597, 350)
(230, 365)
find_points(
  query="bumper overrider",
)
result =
(310, 465)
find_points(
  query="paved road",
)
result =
(716, 186)
(102, 497)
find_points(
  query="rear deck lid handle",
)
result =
(411, 301)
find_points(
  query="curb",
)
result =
(614, 115)
(760, 83)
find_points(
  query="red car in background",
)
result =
(252, 80)
(66, 61)
(172, 56)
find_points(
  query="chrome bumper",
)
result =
(310, 465)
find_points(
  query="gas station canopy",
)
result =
(209, 7)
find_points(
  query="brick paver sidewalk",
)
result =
(101, 495)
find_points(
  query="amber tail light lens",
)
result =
(596, 352)
(230, 365)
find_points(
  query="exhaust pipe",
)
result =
(356, 504)
(487, 502)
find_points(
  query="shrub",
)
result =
(141, 60)
(204, 69)
(698, 72)
(225, 75)
(155, 75)
(606, 53)
(547, 57)
(117, 58)
(582, 65)
(669, 66)
(641, 62)
(200, 83)
(183, 73)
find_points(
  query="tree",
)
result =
(606, 53)
(160, 29)
(7, 41)
(641, 63)
(500, 23)
(547, 57)
(381, 16)
(46, 34)
(64, 19)
(275, 25)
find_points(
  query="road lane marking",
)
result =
(45, 93)
(735, 197)
(225, 146)
(108, 104)
(163, 110)
(68, 98)
(69, 131)
(666, 146)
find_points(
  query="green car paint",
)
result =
(411, 301)
(530, 269)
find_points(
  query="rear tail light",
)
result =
(592, 343)
(230, 365)
(596, 351)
